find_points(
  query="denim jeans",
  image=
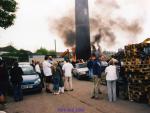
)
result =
(111, 86)
(56, 82)
(17, 92)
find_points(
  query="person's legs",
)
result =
(41, 77)
(48, 83)
(99, 86)
(114, 90)
(66, 83)
(16, 92)
(93, 92)
(56, 85)
(96, 87)
(20, 94)
(61, 85)
(109, 90)
(70, 83)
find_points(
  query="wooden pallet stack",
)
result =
(137, 69)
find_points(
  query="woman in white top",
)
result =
(111, 77)
(37, 67)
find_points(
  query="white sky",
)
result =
(31, 29)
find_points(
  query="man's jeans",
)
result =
(111, 86)
(17, 92)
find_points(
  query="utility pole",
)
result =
(55, 47)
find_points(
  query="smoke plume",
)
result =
(65, 28)
(110, 3)
(103, 19)
(104, 24)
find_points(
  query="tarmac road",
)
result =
(77, 101)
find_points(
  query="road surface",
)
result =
(77, 101)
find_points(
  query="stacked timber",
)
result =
(137, 69)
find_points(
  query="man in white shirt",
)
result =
(67, 68)
(48, 74)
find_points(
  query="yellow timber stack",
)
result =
(137, 71)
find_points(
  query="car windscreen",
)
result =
(81, 65)
(28, 70)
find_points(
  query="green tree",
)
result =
(7, 13)
(52, 53)
(42, 51)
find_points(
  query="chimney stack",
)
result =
(83, 48)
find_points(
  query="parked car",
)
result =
(80, 70)
(31, 80)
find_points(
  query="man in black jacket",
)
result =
(3, 83)
(16, 79)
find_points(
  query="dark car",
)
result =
(31, 80)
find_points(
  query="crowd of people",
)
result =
(56, 77)
(61, 75)
(98, 67)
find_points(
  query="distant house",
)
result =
(11, 52)
(3, 52)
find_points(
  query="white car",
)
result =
(80, 70)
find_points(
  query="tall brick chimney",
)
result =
(83, 48)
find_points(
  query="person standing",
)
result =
(104, 64)
(61, 83)
(96, 78)
(111, 78)
(3, 83)
(47, 73)
(38, 70)
(16, 79)
(37, 67)
(56, 77)
(67, 68)
(33, 64)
